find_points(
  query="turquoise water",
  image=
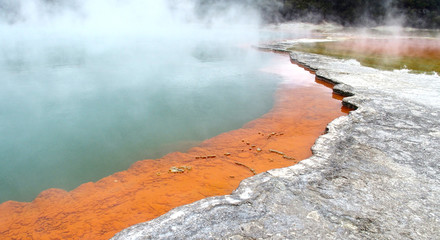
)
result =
(74, 110)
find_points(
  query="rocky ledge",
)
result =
(374, 175)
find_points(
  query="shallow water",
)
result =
(73, 111)
(148, 189)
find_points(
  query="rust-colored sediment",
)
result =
(147, 189)
(395, 47)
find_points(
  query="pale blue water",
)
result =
(74, 110)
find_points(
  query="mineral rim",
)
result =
(150, 188)
(374, 175)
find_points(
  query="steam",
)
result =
(36, 30)
(116, 17)
(83, 79)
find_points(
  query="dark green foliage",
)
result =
(415, 13)
(420, 13)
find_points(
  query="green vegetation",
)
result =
(414, 13)
(426, 64)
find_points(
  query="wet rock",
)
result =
(271, 134)
(207, 156)
(275, 151)
(288, 157)
(374, 175)
(181, 169)
(176, 170)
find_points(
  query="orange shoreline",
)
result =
(147, 189)
(394, 47)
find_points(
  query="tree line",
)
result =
(413, 13)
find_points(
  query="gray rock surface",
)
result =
(374, 175)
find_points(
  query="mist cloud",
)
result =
(116, 16)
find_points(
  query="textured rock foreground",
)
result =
(374, 175)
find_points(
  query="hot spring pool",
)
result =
(73, 111)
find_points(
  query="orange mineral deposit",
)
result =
(150, 188)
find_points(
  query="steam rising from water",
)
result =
(115, 17)
(89, 87)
